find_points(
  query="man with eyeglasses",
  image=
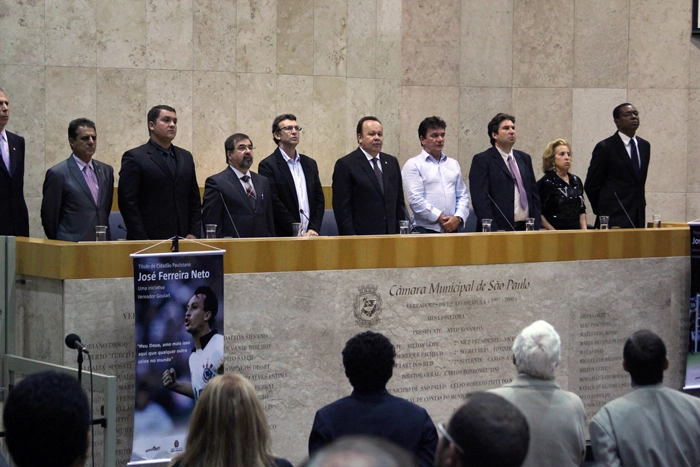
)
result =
(618, 172)
(237, 199)
(295, 186)
(486, 431)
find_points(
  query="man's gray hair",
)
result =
(537, 350)
(361, 451)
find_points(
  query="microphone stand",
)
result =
(80, 365)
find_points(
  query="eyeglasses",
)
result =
(446, 435)
(290, 128)
(243, 147)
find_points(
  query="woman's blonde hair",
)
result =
(548, 156)
(228, 427)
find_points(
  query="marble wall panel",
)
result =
(665, 127)
(542, 115)
(81, 85)
(34, 209)
(362, 39)
(543, 43)
(692, 210)
(214, 119)
(361, 101)
(656, 28)
(388, 108)
(601, 49)
(121, 113)
(295, 37)
(39, 318)
(121, 33)
(22, 32)
(331, 40)
(256, 39)
(330, 110)
(295, 95)
(169, 37)
(255, 109)
(173, 88)
(671, 206)
(419, 102)
(430, 59)
(486, 57)
(694, 62)
(25, 89)
(388, 46)
(692, 162)
(214, 35)
(69, 28)
(477, 106)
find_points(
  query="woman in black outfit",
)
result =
(561, 192)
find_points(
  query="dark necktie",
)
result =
(378, 172)
(172, 165)
(634, 154)
(248, 187)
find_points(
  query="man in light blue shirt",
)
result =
(434, 184)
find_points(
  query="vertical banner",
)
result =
(179, 322)
(692, 366)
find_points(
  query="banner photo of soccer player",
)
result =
(692, 366)
(179, 322)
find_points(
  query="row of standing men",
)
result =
(159, 194)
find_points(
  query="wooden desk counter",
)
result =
(66, 260)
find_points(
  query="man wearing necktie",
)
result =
(158, 191)
(77, 191)
(14, 218)
(618, 172)
(237, 199)
(367, 187)
(502, 182)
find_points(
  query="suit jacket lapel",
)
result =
(157, 158)
(80, 178)
(12, 153)
(498, 159)
(101, 181)
(237, 188)
(369, 170)
(283, 167)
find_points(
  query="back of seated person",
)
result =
(361, 451)
(47, 421)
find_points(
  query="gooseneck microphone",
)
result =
(230, 217)
(73, 342)
(623, 209)
(301, 211)
(499, 210)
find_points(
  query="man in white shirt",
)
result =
(433, 182)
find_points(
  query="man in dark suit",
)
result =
(618, 172)
(369, 360)
(367, 186)
(78, 191)
(238, 200)
(14, 218)
(158, 192)
(297, 195)
(502, 182)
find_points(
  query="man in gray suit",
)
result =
(77, 191)
(652, 425)
(556, 417)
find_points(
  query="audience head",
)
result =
(228, 426)
(368, 359)
(361, 451)
(537, 350)
(495, 124)
(486, 431)
(550, 153)
(47, 421)
(645, 358)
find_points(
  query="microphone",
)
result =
(229, 216)
(499, 210)
(625, 210)
(123, 228)
(73, 342)
(308, 221)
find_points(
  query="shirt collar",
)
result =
(82, 164)
(368, 155)
(4, 135)
(287, 158)
(626, 139)
(503, 154)
(238, 173)
(426, 156)
(204, 340)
